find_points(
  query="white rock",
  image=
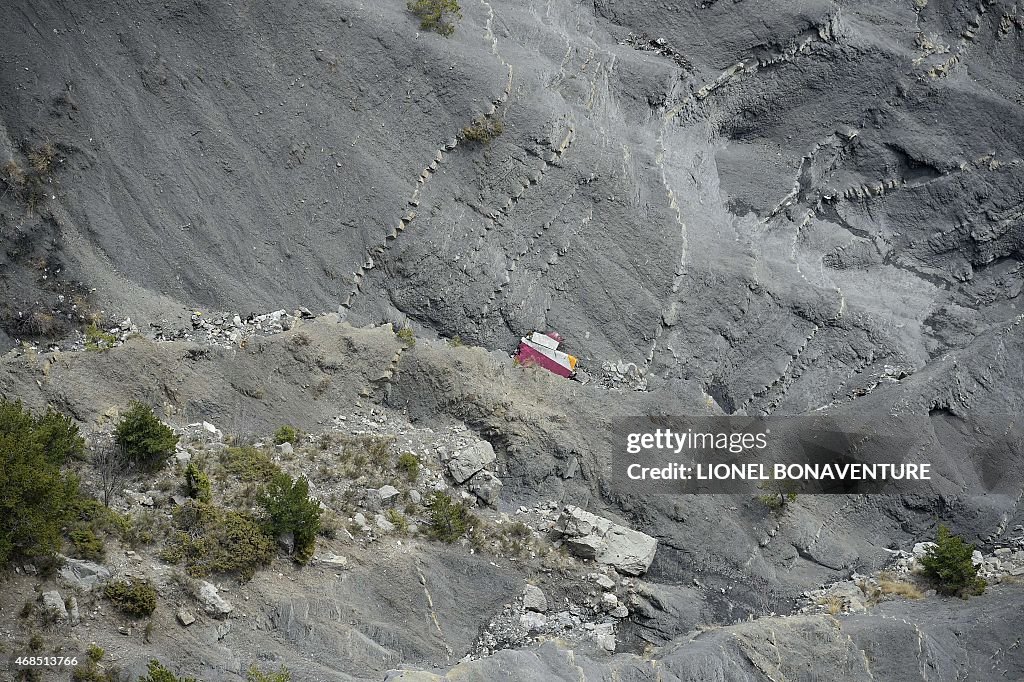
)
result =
(921, 548)
(285, 449)
(604, 582)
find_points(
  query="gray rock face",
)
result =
(594, 537)
(84, 575)
(462, 464)
(213, 603)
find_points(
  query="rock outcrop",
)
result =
(589, 536)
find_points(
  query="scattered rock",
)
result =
(533, 622)
(463, 463)
(604, 582)
(594, 537)
(213, 603)
(185, 617)
(383, 525)
(534, 599)
(285, 449)
(377, 499)
(415, 497)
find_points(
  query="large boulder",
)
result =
(534, 599)
(589, 536)
(486, 486)
(214, 604)
(84, 575)
(463, 463)
(53, 606)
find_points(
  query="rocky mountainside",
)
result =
(749, 208)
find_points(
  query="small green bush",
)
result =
(135, 598)
(86, 544)
(436, 15)
(257, 675)
(449, 519)
(248, 464)
(286, 434)
(406, 336)
(289, 509)
(949, 566)
(410, 465)
(145, 439)
(483, 129)
(211, 540)
(96, 339)
(95, 653)
(398, 520)
(159, 673)
(197, 483)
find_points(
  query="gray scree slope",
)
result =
(768, 207)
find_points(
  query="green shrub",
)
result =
(248, 464)
(286, 434)
(410, 464)
(135, 598)
(449, 519)
(289, 509)
(398, 520)
(197, 483)
(59, 437)
(86, 544)
(257, 675)
(158, 673)
(145, 439)
(436, 15)
(213, 540)
(483, 129)
(36, 498)
(89, 670)
(949, 566)
(96, 339)
(406, 336)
